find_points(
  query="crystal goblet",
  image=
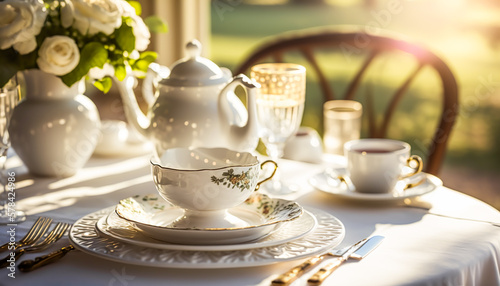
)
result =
(280, 105)
(9, 98)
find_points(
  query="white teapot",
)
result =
(194, 106)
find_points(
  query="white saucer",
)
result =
(153, 215)
(118, 139)
(83, 235)
(325, 182)
(117, 228)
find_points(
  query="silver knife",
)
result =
(294, 273)
(368, 247)
(358, 253)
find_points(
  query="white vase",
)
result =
(55, 129)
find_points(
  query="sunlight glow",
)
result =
(67, 197)
(68, 191)
(91, 173)
(343, 3)
(266, 2)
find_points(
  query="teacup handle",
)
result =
(268, 178)
(417, 169)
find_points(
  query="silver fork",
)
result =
(36, 231)
(52, 237)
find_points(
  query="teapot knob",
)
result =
(193, 48)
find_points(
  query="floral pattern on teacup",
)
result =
(230, 179)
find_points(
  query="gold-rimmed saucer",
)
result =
(152, 215)
(414, 186)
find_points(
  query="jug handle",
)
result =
(154, 75)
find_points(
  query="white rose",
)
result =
(20, 23)
(58, 55)
(98, 73)
(141, 31)
(67, 13)
(94, 16)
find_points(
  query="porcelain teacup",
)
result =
(206, 182)
(376, 165)
(305, 145)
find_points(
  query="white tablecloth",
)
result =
(419, 249)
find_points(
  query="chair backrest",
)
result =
(357, 41)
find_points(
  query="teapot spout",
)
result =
(133, 113)
(243, 133)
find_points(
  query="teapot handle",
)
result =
(241, 124)
(154, 75)
(227, 98)
(225, 101)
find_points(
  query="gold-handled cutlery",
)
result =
(357, 252)
(294, 273)
(36, 231)
(39, 245)
(29, 265)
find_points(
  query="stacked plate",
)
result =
(139, 230)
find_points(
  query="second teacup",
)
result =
(376, 165)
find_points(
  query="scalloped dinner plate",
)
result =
(84, 236)
(152, 215)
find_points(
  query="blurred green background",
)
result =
(464, 33)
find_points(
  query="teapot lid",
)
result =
(195, 70)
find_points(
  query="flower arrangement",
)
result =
(73, 39)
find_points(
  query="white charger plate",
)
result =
(83, 235)
(117, 228)
(325, 182)
(153, 215)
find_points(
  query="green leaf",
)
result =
(104, 84)
(9, 65)
(156, 25)
(92, 55)
(125, 37)
(145, 59)
(137, 7)
(148, 56)
(120, 72)
(29, 60)
(141, 65)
